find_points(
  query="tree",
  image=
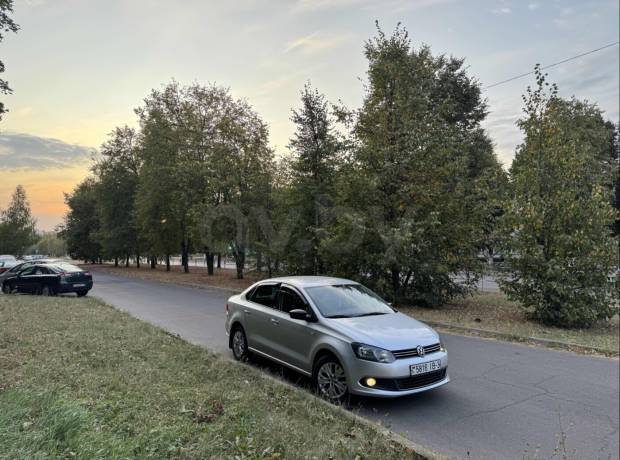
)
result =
(415, 193)
(17, 226)
(118, 174)
(316, 148)
(49, 244)
(6, 25)
(82, 222)
(557, 224)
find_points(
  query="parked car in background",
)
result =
(20, 265)
(48, 279)
(6, 257)
(339, 333)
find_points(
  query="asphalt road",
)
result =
(504, 401)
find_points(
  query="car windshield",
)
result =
(347, 301)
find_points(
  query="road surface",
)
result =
(504, 401)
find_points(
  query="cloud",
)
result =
(503, 10)
(25, 151)
(533, 6)
(304, 6)
(316, 42)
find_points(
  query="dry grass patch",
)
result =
(494, 312)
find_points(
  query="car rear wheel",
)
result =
(330, 379)
(239, 344)
(7, 288)
(46, 291)
(81, 293)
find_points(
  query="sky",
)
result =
(78, 68)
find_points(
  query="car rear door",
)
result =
(259, 316)
(294, 337)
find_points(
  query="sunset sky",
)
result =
(78, 68)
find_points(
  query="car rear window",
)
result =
(265, 294)
(68, 268)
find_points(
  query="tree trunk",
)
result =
(138, 260)
(395, 283)
(185, 256)
(209, 258)
(259, 261)
(153, 262)
(240, 262)
(127, 261)
(167, 262)
(116, 261)
(219, 260)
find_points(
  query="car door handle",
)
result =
(275, 321)
(247, 312)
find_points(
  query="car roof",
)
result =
(309, 281)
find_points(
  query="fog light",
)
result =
(371, 382)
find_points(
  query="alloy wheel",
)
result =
(238, 344)
(332, 381)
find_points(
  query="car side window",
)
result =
(265, 294)
(290, 300)
(27, 271)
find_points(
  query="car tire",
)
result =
(45, 291)
(330, 380)
(81, 293)
(239, 344)
(7, 288)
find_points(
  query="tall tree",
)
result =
(558, 238)
(17, 226)
(315, 146)
(6, 25)
(82, 222)
(118, 173)
(415, 192)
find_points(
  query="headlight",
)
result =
(370, 353)
(442, 346)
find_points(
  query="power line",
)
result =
(552, 65)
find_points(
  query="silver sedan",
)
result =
(339, 333)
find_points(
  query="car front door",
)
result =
(259, 317)
(294, 336)
(24, 282)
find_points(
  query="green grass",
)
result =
(81, 379)
(494, 312)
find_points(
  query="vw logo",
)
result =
(420, 350)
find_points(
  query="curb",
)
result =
(549, 343)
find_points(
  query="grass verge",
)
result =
(81, 379)
(494, 312)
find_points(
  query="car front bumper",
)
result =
(394, 379)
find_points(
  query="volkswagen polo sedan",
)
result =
(339, 333)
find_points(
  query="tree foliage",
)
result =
(17, 226)
(81, 229)
(6, 25)
(557, 224)
(416, 190)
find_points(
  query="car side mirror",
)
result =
(299, 314)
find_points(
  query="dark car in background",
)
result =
(10, 268)
(48, 279)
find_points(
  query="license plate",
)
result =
(423, 368)
(79, 285)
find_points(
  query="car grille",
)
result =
(411, 383)
(411, 352)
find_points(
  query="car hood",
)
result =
(392, 331)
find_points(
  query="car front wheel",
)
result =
(7, 288)
(239, 344)
(81, 293)
(330, 379)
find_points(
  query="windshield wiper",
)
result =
(374, 313)
(338, 316)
